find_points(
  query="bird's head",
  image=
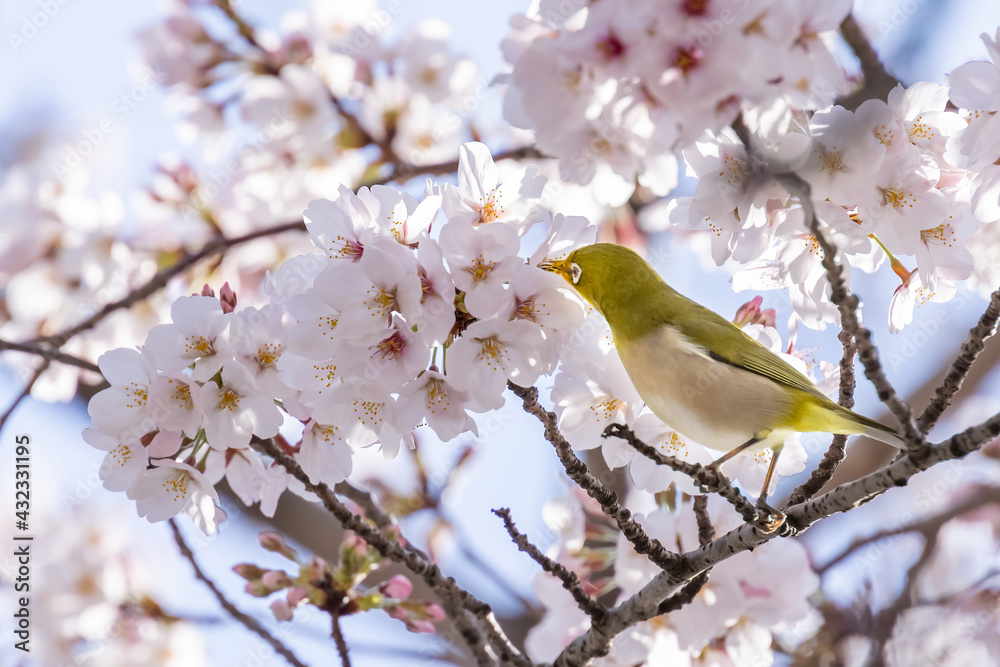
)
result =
(605, 273)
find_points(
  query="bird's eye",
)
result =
(575, 272)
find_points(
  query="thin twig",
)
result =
(834, 456)
(338, 638)
(160, 280)
(50, 354)
(578, 472)
(24, 392)
(245, 30)
(404, 171)
(645, 604)
(364, 500)
(706, 531)
(389, 548)
(848, 305)
(840, 295)
(685, 595)
(710, 480)
(928, 526)
(568, 578)
(952, 382)
(249, 622)
(877, 81)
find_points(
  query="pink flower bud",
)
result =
(207, 291)
(276, 580)
(434, 612)
(314, 568)
(398, 613)
(249, 571)
(399, 587)
(418, 625)
(281, 610)
(276, 543)
(257, 589)
(296, 595)
(227, 297)
(750, 313)
(352, 541)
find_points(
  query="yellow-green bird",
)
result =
(700, 373)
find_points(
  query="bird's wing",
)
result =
(730, 345)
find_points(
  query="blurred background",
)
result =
(61, 80)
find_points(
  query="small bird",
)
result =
(700, 373)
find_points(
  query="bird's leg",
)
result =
(768, 518)
(717, 463)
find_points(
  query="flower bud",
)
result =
(276, 580)
(399, 587)
(274, 542)
(249, 571)
(750, 313)
(227, 297)
(281, 610)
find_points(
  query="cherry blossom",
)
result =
(432, 397)
(324, 454)
(170, 488)
(491, 352)
(196, 335)
(481, 198)
(123, 407)
(235, 409)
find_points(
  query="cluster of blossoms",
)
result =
(748, 601)
(616, 93)
(338, 589)
(906, 177)
(312, 100)
(614, 89)
(384, 329)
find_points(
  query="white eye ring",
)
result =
(575, 272)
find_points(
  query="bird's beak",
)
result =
(560, 266)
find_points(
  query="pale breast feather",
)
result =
(710, 401)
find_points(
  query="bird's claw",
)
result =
(768, 519)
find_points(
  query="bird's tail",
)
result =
(829, 417)
(873, 429)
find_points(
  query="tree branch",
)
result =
(249, 622)
(403, 171)
(708, 479)
(50, 354)
(338, 638)
(877, 81)
(568, 578)
(578, 472)
(160, 280)
(646, 603)
(24, 392)
(960, 368)
(451, 593)
(927, 527)
(834, 456)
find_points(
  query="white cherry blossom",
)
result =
(170, 488)
(196, 335)
(482, 198)
(123, 407)
(236, 410)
